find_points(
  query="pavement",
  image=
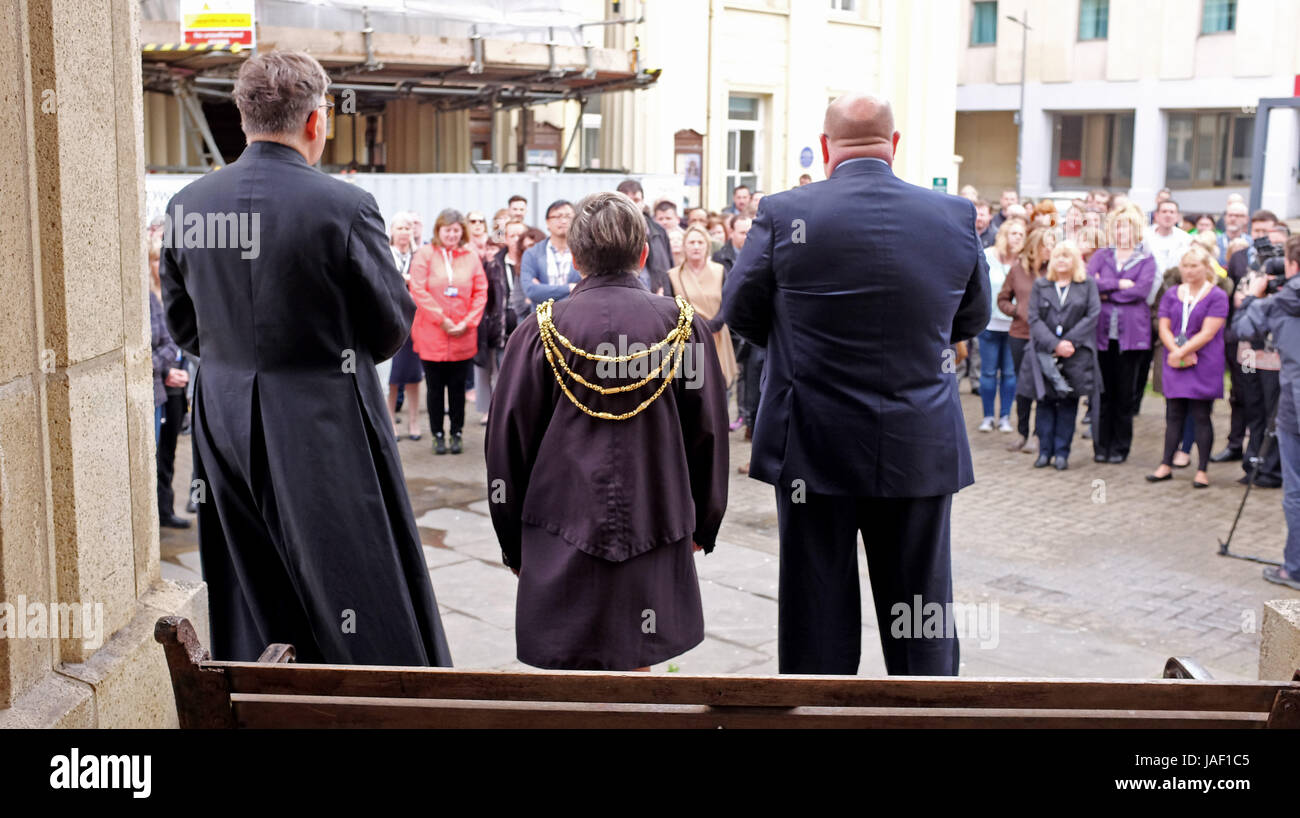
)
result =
(1091, 572)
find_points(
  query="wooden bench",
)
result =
(276, 693)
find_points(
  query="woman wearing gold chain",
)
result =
(607, 459)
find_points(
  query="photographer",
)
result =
(1254, 388)
(1268, 316)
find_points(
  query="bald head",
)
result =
(858, 125)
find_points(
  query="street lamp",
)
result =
(1020, 116)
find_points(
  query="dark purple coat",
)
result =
(1131, 303)
(612, 489)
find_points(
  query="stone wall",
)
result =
(78, 509)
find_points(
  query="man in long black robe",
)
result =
(281, 278)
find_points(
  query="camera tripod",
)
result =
(1270, 439)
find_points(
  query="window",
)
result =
(984, 24)
(1209, 149)
(843, 5)
(1092, 150)
(1094, 17)
(1218, 16)
(744, 125)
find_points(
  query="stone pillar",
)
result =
(78, 507)
(1279, 645)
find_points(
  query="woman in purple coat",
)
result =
(607, 459)
(1126, 277)
(1191, 329)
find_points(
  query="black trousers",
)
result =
(1237, 431)
(819, 620)
(1260, 390)
(751, 373)
(1141, 375)
(173, 417)
(1024, 406)
(1115, 419)
(448, 376)
(1176, 413)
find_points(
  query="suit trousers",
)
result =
(1259, 392)
(819, 621)
(1237, 427)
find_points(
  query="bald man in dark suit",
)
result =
(858, 286)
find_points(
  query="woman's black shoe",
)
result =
(439, 444)
(1043, 461)
(455, 444)
(1151, 478)
(1197, 484)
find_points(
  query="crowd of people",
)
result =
(603, 492)
(1165, 283)
(475, 282)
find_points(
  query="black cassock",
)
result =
(281, 279)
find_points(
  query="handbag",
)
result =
(1053, 376)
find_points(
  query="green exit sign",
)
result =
(940, 183)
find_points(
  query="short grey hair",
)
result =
(277, 91)
(607, 234)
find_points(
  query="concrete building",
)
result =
(745, 86)
(1131, 95)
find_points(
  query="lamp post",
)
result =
(1020, 116)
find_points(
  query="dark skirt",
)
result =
(579, 612)
(407, 368)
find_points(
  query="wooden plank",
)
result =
(280, 712)
(759, 691)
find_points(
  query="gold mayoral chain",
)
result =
(552, 340)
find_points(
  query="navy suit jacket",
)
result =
(535, 278)
(857, 286)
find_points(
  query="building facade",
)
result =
(1130, 95)
(739, 92)
(745, 86)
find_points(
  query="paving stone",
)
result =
(477, 645)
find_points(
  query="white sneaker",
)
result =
(986, 425)
(1005, 425)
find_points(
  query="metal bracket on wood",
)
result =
(476, 51)
(1285, 714)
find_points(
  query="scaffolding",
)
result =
(454, 56)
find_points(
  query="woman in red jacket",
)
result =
(450, 292)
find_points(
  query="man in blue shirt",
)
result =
(547, 268)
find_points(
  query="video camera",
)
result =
(1271, 261)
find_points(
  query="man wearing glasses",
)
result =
(547, 268)
(305, 528)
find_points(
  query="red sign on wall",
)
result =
(1069, 168)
